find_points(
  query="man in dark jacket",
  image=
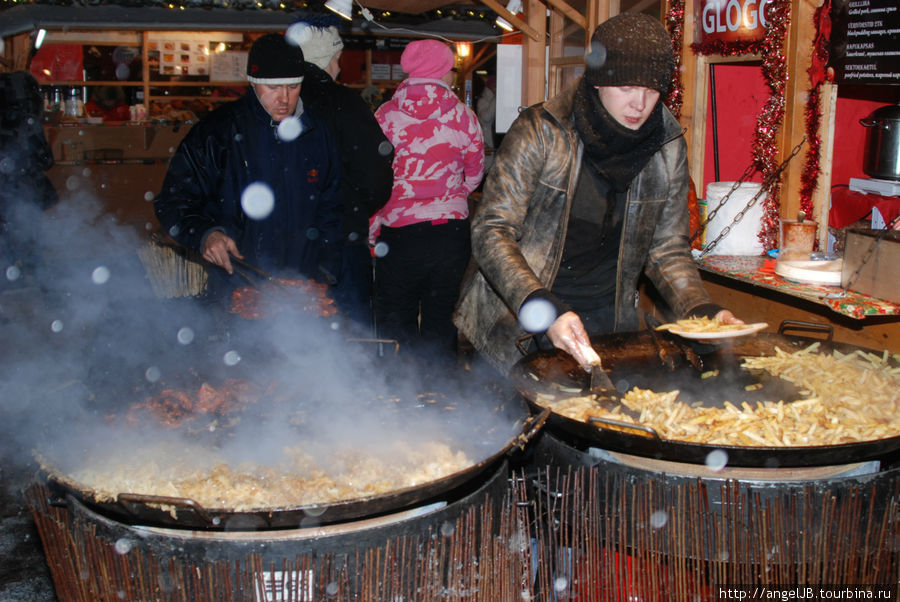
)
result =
(588, 191)
(366, 155)
(258, 178)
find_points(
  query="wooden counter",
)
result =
(747, 288)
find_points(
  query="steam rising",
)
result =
(87, 340)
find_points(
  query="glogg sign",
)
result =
(732, 20)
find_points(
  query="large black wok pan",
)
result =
(650, 360)
(512, 429)
(507, 423)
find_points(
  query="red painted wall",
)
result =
(850, 138)
(741, 92)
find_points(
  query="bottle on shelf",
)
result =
(74, 106)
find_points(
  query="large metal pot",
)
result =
(882, 153)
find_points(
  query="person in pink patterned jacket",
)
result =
(421, 236)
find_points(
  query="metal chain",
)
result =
(711, 214)
(767, 183)
(866, 257)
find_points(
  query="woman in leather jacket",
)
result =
(588, 191)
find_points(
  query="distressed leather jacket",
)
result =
(519, 227)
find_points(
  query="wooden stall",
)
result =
(792, 142)
(803, 133)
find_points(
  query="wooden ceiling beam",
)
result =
(534, 55)
(412, 7)
(570, 12)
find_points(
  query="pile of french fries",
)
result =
(846, 398)
(700, 324)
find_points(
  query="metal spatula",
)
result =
(600, 381)
(603, 389)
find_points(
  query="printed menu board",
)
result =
(865, 42)
(228, 66)
(181, 57)
(203, 54)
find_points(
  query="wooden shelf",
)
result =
(203, 98)
(208, 84)
(82, 83)
(146, 83)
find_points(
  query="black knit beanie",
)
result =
(630, 49)
(275, 61)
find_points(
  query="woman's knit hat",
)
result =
(426, 58)
(274, 61)
(630, 49)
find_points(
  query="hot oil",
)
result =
(721, 379)
(704, 373)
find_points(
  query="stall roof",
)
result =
(30, 17)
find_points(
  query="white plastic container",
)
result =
(743, 238)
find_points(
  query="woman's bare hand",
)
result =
(726, 317)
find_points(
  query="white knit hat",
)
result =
(319, 44)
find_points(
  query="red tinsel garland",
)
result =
(774, 67)
(675, 25)
(817, 76)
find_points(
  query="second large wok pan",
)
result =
(663, 363)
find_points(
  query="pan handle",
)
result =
(522, 343)
(652, 322)
(531, 428)
(644, 431)
(871, 123)
(393, 342)
(807, 326)
(139, 498)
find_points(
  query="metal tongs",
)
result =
(258, 271)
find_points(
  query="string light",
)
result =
(483, 14)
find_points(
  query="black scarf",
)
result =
(617, 153)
